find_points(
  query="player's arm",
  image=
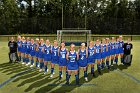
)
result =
(86, 52)
(77, 54)
(67, 56)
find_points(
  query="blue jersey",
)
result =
(104, 47)
(32, 47)
(82, 54)
(28, 43)
(98, 51)
(91, 52)
(40, 48)
(121, 47)
(23, 47)
(108, 49)
(47, 53)
(62, 57)
(19, 46)
(117, 45)
(112, 52)
(55, 55)
(72, 64)
(82, 58)
(112, 45)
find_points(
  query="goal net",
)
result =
(74, 36)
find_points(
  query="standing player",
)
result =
(41, 55)
(32, 52)
(62, 60)
(37, 52)
(98, 55)
(117, 50)
(54, 60)
(23, 49)
(104, 52)
(72, 66)
(112, 52)
(19, 47)
(91, 56)
(108, 52)
(28, 43)
(47, 54)
(82, 62)
(121, 50)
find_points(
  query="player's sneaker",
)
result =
(31, 66)
(86, 79)
(40, 70)
(53, 73)
(23, 63)
(51, 76)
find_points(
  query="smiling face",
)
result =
(72, 47)
(23, 39)
(47, 42)
(55, 43)
(83, 46)
(113, 39)
(32, 41)
(91, 43)
(120, 38)
(19, 38)
(103, 41)
(97, 42)
(41, 41)
(37, 40)
(62, 44)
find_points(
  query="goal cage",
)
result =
(74, 37)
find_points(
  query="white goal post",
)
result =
(74, 36)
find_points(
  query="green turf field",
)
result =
(122, 80)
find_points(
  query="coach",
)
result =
(127, 52)
(12, 49)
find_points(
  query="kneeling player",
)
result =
(82, 62)
(72, 65)
(62, 60)
(54, 53)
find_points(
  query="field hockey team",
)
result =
(40, 53)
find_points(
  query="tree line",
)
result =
(48, 16)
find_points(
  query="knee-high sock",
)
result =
(32, 62)
(60, 74)
(92, 70)
(46, 67)
(111, 61)
(107, 64)
(52, 70)
(77, 78)
(37, 63)
(122, 60)
(103, 65)
(27, 60)
(68, 77)
(116, 60)
(66, 74)
(98, 67)
(85, 73)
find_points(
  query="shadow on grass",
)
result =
(39, 83)
(32, 79)
(7, 66)
(12, 68)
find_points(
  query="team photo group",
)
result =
(43, 53)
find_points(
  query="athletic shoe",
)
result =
(51, 76)
(40, 70)
(23, 63)
(86, 79)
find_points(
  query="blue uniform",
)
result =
(98, 52)
(47, 53)
(28, 47)
(82, 62)
(91, 55)
(55, 57)
(72, 62)
(32, 48)
(62, 58)
(41, 51)
(23, 47)
(117, 47)
(112, 51)
(121, 47)
(19, 46)
(109, 48)
(104, 52)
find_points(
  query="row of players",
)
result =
(71, 60)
